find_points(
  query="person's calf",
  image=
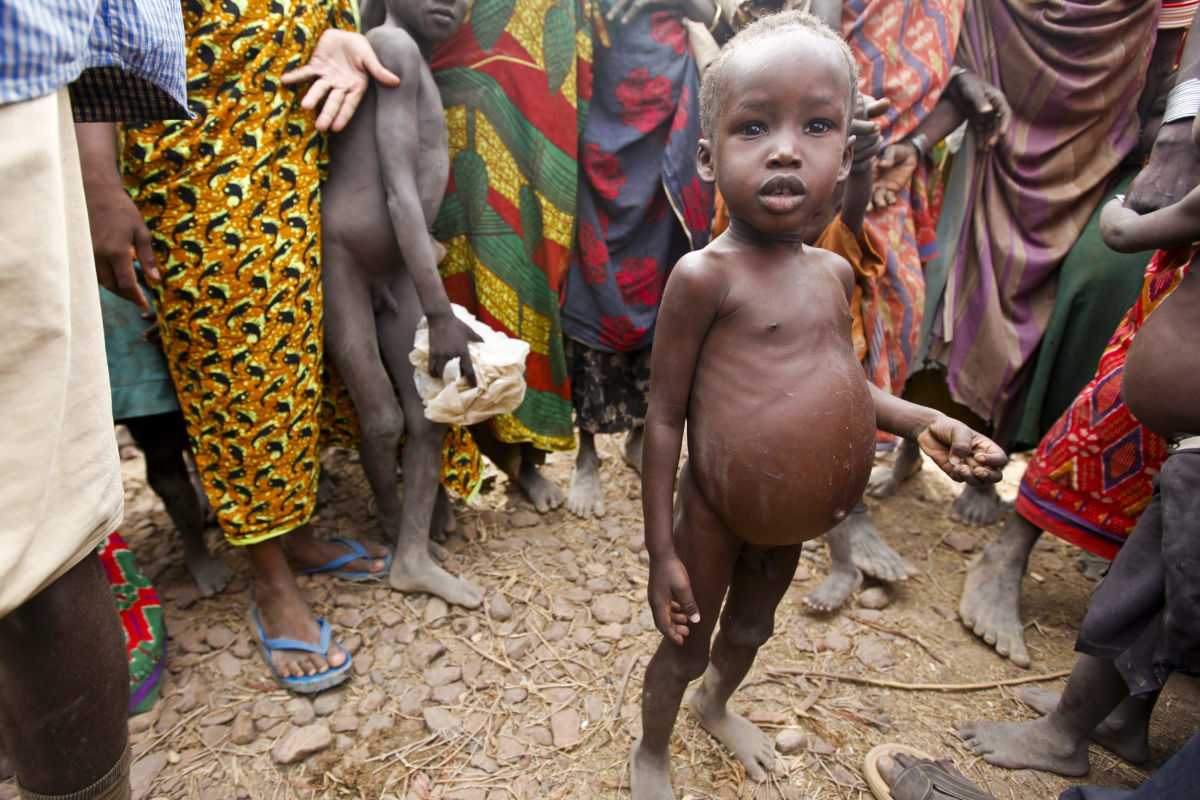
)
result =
(990, 603)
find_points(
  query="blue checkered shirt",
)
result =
(122, 59)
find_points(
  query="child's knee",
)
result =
(384, 425)
(750, 634)
(685, 664)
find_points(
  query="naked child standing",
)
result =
(754, 353)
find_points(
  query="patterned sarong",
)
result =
(1091, 476)
(1072, 71)
(641, 202)
(515, 80)
(141, 616)
(232, 199)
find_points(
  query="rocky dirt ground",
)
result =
(536, 694)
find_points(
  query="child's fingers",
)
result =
(878, 107)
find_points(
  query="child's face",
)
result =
(430, 20)
(781, 141)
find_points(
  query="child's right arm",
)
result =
(689, 306)
(1176, 225)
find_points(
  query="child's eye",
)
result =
(753, 129)
(820, 126)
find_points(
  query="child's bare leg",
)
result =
(163, 438)
(586, 496)
(1126, 731)
(991, 596)
(520, 462)
(631, 448)
(843, 576)
(856, 549)
(443, 521)
(746, 623)
(976, 506)
(1058, 742)
(906, 463)
(413, 570)
(709, 553)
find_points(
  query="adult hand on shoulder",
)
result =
(671, 600)
(449, 339)
(341, 66)
(960, 452)
(1172, 171)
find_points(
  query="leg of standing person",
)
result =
(991, 595)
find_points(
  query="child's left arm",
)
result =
(867, 140)
(1176, 225)
(960, 452)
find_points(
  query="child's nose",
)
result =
(785, 151)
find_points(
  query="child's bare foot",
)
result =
(421, 574)
(990, 604)
(586, 496)
(443, 521)
(1128, 738)
(210, 575)
(842, 582)
(976, 506)
(885, 481)
(749, 744)
(544, 495)
(871, 553)
(649, 776)
(1025, 745)
(631, 450)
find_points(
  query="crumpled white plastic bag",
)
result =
(499, 363)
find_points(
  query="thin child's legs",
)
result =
(1058, 742)
(586, 495)
(708, 552)
(64, 686)
(163, 440)
(885, 481)
(991, 596)
(413, 570)
(844, 577)
(521, 462)
(976, 506)
(855, 549)
(747, 622)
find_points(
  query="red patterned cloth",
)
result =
(141, 616)
(1090, 479)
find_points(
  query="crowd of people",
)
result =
(892, 219)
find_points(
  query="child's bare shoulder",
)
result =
(836, 264)
(396, 48)
(696, 275)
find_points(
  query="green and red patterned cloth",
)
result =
(141, 617)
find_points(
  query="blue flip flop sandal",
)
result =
(305, 684)
(357, 551)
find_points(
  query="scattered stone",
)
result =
(818, 745)
(191, 640)
(837, 642)
(775, 719)
(441, 721)
(343, 723)
(790, 741)
(372, 702)
(539, 734)
(874, 653)
(218, 637)
(389, 617)
(867, 615)
(422, 654)
(347, 617)
(515, 694)
(577, 594)
(483, 761)
(363, 664)
(945, 611)
(565, 728)
(524, 518)
(377, 722)
(465, 626)
(300, 743)
(144, 771)
(468, 532)
(611, 608)
(509, 750)
(326, 703)
(636, 543)
(242, 730)
(961, 542)
(601, 648)
(843, 776)
(499, 609)
(450, 693)
(471, 669)
(555, 631)
(875, 597)
(140, 723)
(435, 610)
(519, 647)
(594, 707)
(241, 647)
(220, 717)
(212, 735)
(229, 665)
(613, 630)
(413, 700)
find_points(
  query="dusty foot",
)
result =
(871, 553)
(1127, 739)
(283, 614)
(422, 575)
(544, 495)
(1025, 745)
(976, 506)
(586, 496)
(743, 738)
(990, 604)
(305, 551)
(631, 450)
(210, 575)
(890, 769)
(443, 521)
(843, 580)
(649, 776)
(885, 481)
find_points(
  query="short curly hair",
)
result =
(763, 28)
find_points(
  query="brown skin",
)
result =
(342, 63)
(781, 463)
(388, 175)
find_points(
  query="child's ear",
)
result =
(847, 159)
(704, 162)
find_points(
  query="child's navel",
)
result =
(773, 325)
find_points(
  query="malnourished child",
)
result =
(754, 353)
(388, 175)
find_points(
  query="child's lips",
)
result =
(782, 193)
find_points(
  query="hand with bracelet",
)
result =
(984, 105)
